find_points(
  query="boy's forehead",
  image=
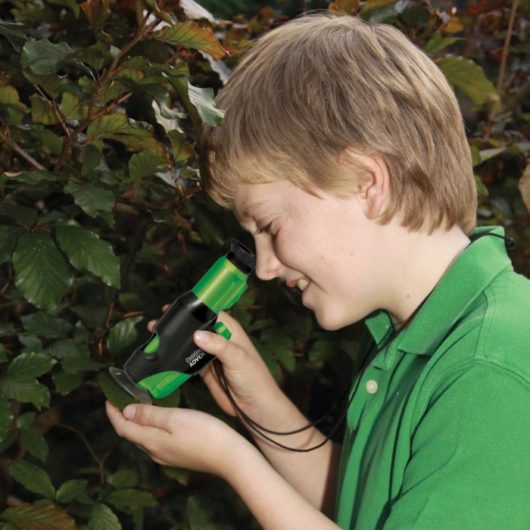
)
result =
(249, 199)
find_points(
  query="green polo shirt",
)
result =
(438, 431)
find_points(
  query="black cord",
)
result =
(509, 242)
(371, 352)
(260, 430)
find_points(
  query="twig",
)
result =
(143, 30)
(98, 461)
(61, 118)
(506, 47)
(494, 107)
(24, 154)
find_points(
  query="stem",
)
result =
(143, 30)
(98, 461)
(56, 110)
(506, 47)
(24, 154)
(502, 70)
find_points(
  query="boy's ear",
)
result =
(373, 186)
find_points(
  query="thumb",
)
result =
(149, 415)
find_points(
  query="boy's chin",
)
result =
(332, 322)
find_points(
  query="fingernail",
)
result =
(129, 411)
(200, 336)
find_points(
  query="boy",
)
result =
(344, 153)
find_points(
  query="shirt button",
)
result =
(371, 386)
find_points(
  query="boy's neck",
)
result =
(420, 261)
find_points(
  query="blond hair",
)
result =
(320, 84)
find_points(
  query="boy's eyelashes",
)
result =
(266, 229)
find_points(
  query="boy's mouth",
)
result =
(302, 283)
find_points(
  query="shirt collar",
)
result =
(471, 272)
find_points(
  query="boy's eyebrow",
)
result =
(245, 214)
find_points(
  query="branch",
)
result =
(144, 30)
(98, 461)
(24, 154)
(56, 110)
(506, 47)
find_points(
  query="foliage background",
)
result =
(102, 221)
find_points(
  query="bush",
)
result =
(102, 221)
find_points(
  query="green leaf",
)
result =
(75, 365)
(94, 200)
(30, 365)
(25, 421)
(123, 335)
(33, 478)
(8, 441)
(131, 500)
(191, 35)
(22, 215)
(53, 84)
(124, 478)
(35, 444)
(43, 57)
(89, 253)
(322, 350)
(14, 33)
(13, 109)
(199, 511)
(39, 517)
(43, 324)
(33, 178)
(203, 100)
(118, 127)
(72, 490)
(6, 418)
(279, 346)
(74, 357)
(180, 148)
(145, 164)
(73, 108)
(66, 382)
(437, 43)
(49, 141)
(25, 390)
(103, 518)
(68, 348)
(468, 77)
(42, 275)
(41, 112)
(113, 392)
(182, 476)
(8, 241)
(379, 11)
(486, 154)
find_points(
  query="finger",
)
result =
(150, 416)
(229, 353)
(239, 335)
(151, 325)
(134, 432)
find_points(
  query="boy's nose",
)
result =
(268, 266)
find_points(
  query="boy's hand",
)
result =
(178, 437)
(250, 381)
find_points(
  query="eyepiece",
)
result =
(241, 257)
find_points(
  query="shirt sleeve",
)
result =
(469, 467)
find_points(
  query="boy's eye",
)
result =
(264, 229)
